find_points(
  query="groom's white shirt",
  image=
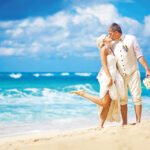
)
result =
(126, 60)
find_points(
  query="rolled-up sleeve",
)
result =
(137, 49)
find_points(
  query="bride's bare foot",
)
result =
(101, 126)
(80, 92)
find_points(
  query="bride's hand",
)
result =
(108, 41)
(110, 82)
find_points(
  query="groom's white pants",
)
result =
(133, 83)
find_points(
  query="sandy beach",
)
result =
(130, 137)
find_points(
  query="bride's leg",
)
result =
(94, 99)
(105, 109)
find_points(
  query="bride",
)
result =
(111, 84)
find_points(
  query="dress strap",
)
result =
(109, 49)
(112, 51)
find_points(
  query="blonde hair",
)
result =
(100, 40)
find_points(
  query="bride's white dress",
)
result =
(116, 91)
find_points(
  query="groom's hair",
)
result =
(115, 27)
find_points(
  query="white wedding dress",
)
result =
(116, 91)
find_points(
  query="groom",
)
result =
(127, 52)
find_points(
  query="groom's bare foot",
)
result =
(134, 123)
(80, 92)
(124, 124)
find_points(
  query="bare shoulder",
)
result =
(104, 50)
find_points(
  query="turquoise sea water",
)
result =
(41, 101)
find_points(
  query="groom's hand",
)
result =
(148, 73)
(145, 65)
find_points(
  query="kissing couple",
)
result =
(119, 73)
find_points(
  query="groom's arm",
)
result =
(145, 65)
(139, 56)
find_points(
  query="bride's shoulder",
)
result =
(104, 50)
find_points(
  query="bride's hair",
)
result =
(100, 41)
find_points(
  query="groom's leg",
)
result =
(135, 89)
(138, 112)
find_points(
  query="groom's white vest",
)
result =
(127, 51)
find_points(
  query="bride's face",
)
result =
(107, 40)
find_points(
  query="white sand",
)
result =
(129, 137)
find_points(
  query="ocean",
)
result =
(35, 102)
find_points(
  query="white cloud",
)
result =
(66, 33)
(7, 51)
(15, 33)
(35, 47)
(104, 13)
(147, 26)
(6, 24)
(60, 19)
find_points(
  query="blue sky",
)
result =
(60, 35)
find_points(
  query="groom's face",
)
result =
(113, 34)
